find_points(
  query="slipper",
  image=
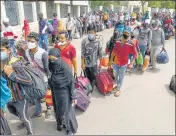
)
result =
(117, 94)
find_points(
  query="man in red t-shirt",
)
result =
(68, 52)
(121, 52)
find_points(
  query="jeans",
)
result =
(143, 49)
(38, 106)
(154, 52)
(120, 73)
(43, 38)
(13, 47)
(70, 34)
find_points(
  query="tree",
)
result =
(169, 4)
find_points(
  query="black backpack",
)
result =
(172, 85)
(39, 86)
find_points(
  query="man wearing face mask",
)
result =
(68, 51)
(119, 57)
(157, 43)
(144, 38)
(19, 105)
(91, 52)
(38, 57)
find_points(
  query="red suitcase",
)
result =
(104, 83)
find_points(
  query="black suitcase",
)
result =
(172, 85)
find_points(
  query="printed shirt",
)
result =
(42, 24)
(91, 52)
(67, 54)
(122, 52)
(55, 24)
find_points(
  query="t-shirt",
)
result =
(67, 53)
(122, 52)
(5, 94)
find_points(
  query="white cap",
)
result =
(6, 20)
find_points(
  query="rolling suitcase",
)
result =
(82, 100)
(104, 82)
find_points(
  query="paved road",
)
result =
(145, 106)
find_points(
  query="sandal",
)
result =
(114, 89)
(117, 92)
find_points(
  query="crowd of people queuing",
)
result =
(59, 65)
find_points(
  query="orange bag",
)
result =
(48, 98)
(104, 62)
(146, 63)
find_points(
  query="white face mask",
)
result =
(31, 45)
(61, 43)
(155, 28)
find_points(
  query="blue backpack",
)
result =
(163, 58)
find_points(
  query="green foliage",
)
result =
(169, 4)
(105, 4)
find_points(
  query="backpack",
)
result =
(50, 28)
(172, 85)
(38, 88)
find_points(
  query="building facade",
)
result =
(18, 11)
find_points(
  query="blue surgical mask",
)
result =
(91, 37)
(4, 55)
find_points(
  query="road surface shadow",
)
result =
(156, 70)
(168, 90)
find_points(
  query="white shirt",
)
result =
(70, 24)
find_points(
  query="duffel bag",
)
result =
(172, 85)
(48, 98)
(104, 61)
(83, 83)
(162, 58)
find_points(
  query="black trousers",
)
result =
(91, 73)
(20, 109)
(54, 38)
